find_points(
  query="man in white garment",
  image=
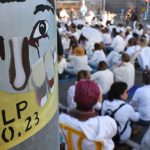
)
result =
(125, 71)
(118, 43)
(84, 119)
(103, 77)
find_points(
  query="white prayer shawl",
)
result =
(124, 114)
(118, 44)
(96, 129)
(79, 63)
(65, 42)
(144, 57)
(104, 80)
(113, 58)
(141, 102)
(107, 38)
(98, 56)
(62, 65)
(125, 73)
(132, 49)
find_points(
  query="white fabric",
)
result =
(144, 57)
(113, 58)
(104, 80)
(146, 141)
(96, 129)
(141, 102)
(79, 63)
(107, 38)
(62, 65)
(70, 98)
(98, 55)
(132, 49)
(124, 114)
(125, 73)
(92, 34)
(65, 42)
(118, 43)
(110, 27)
(139, 32)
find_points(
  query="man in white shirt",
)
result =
(141, 99)
(103, 77)
(125, 71)
(98, 55)
(118, 43)
(84, 118)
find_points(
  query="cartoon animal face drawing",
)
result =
(27, 47)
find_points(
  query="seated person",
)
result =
(144, 55)
(113, 58)
(77, 62)
(132, 46)
(81, 75)
(125, 71)
(141, 99)
(62, 64)
(85, 119)
(117, 96)
(97, 56)
(103, 77)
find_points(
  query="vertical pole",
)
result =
(104, 3)
(147, 8)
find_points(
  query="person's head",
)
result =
(73, 42)
(140, 26)
(125, 57)
(82, 38)
(146, 76)
(86, 95)
(114, 32)
(105, 30)
(128, 28)
(132, 41)
(118, 90)
(135, 35)
(80, 26)
(143, 41)
(83, 75)
(120, 25)
(102, 65)
(79, 51)
(73, 27)
(98, 46)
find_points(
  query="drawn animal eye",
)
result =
(41, 29)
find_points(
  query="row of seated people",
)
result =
(136, 46)
(79, 60)
(105, 76)
(85, 97)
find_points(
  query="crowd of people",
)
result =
(103, 57)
